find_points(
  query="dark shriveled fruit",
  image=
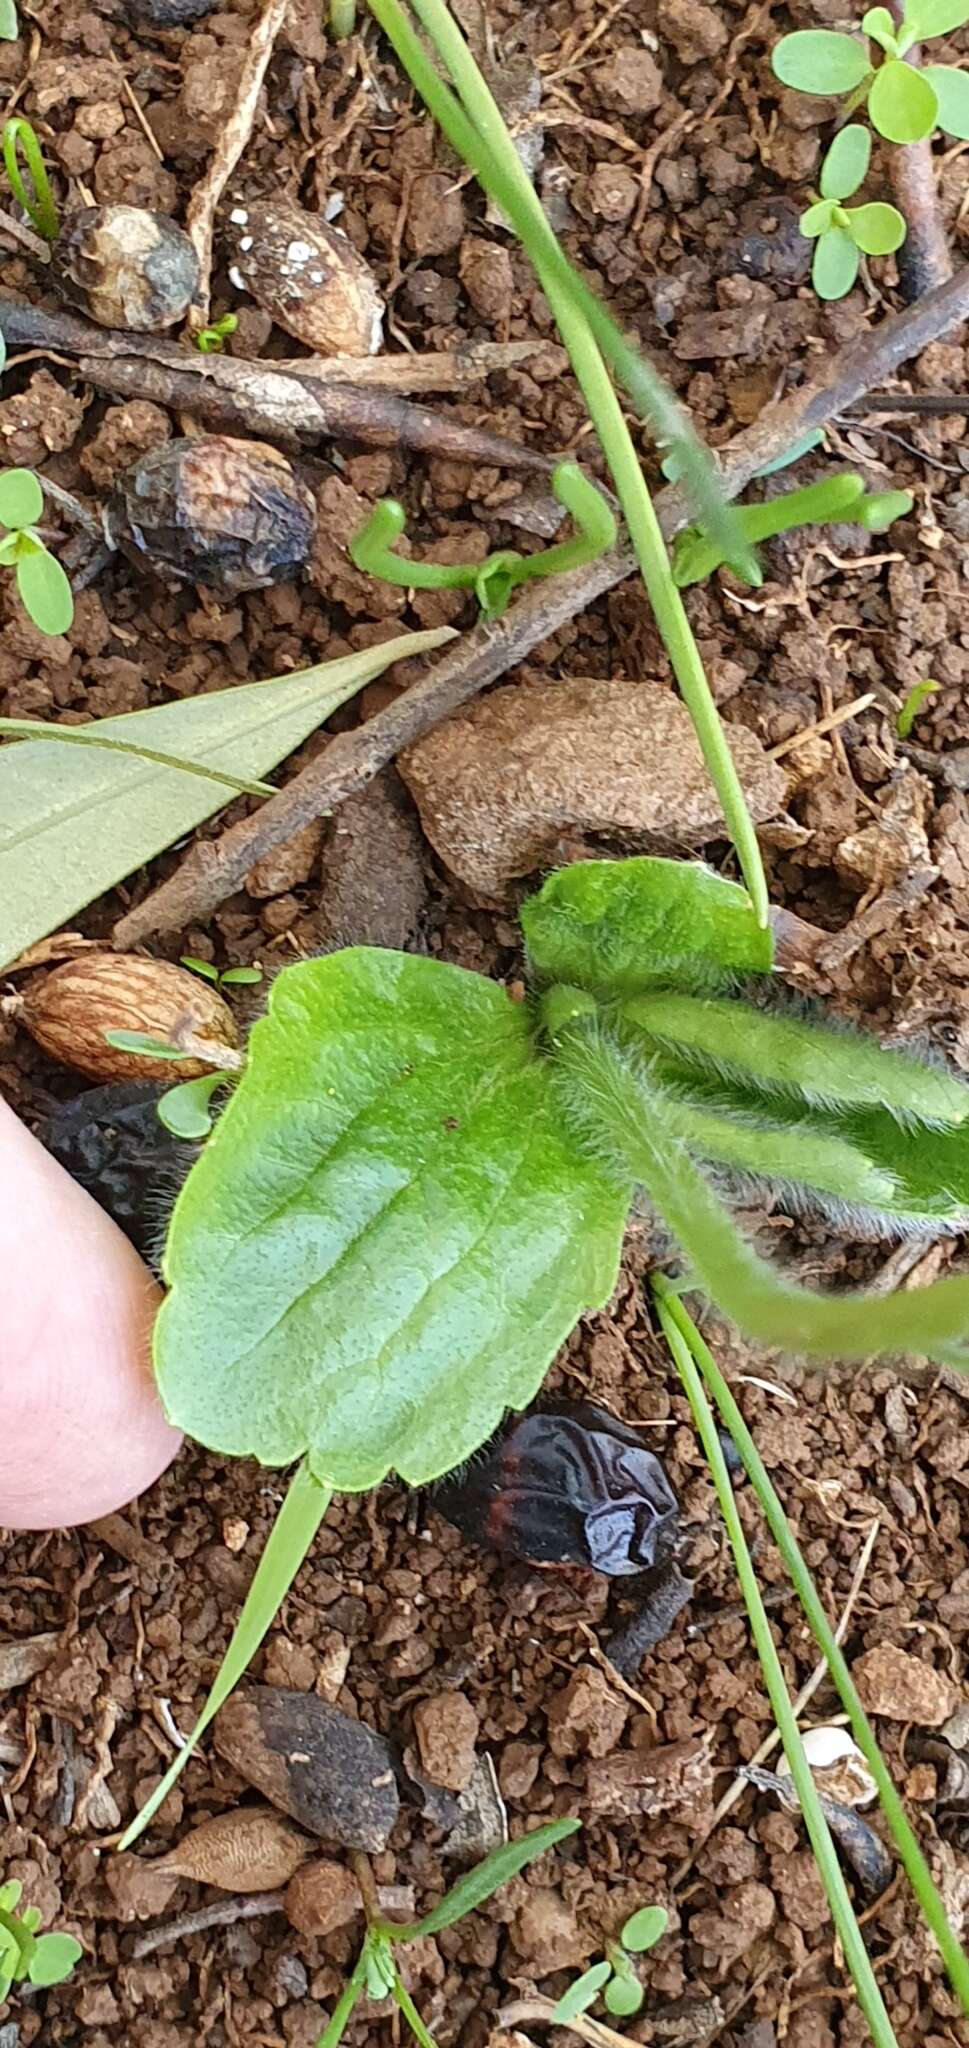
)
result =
(213, 510)
(126, 267)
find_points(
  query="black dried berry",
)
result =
(213, 510)
(111, 1142)
(566, 1485)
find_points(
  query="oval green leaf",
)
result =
(185, 1110)
(388, 1235)
(846, 165)
(581, 1994)
(902, 104)
(936, 17)
(623, 1996)
(45, 591)
(9, 25)
(820, 60)
(877, 229)
(617, 926)
(21, 498)
(817, 218)
(878, 24)
(951, 89)
(835, 264)
(54, 1958)
(644, 1929)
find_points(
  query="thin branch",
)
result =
(213, 869)
(200, 220)
(223, 1913)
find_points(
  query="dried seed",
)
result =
(69, 1011)
(126, 267)
(308, 276)
(229, 514)
(251, 1849)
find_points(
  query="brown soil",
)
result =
(394, 1610)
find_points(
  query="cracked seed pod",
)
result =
(126, 267)
(307, 275)
(69, 1011)
(229, 514)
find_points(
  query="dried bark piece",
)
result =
(21, 1661)
(327, 1771)
(900, 1687)
(248, 1850)
(498, 785)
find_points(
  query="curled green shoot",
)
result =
(917, 696)
(19, 140)
(837, 500)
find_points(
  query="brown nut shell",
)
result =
(68, 1012)
(307, 275)
(229, 514)
(126, 267)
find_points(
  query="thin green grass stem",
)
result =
(679, 1332)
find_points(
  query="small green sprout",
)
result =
(904, 104)
(42, 586)
(231, 977)
(341, 19)
(622, 1992)
(9, 25)
(375, 1973)
(846, 233)
(210, 341)
(913, 705)
(372, 548)
(838, 499)
(186, 1110)
(43, 1959)
(19, 139)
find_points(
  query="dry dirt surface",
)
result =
(446, 1653)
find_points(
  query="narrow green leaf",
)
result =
(144, 1044)
(45, 591)
(242, 977)
(615, 926)
(21, 498)
(644, 1929)
(845, 166)
(201, 967)
(902, 104)
(54, 1958)
(835, 264)
(83, 736)
(488, 1877)
(936, 17)
(817, 219)
(395, 1142)
(623, 1996)
(820, 60)
(581, 1994)
(403, 1999)
(913, 705)
(877, 229)
(74, 821)
(818, 1163)
(186, 1110)
(9, 27)
(951, 89)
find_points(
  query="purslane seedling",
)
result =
(843, 234)
(904, 103)
(25, 1955)
(408, 1137)
(614, 1979)
(840, 499)
(42, 586)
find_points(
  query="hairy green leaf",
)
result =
(614, 926)
(76, 820)
(877, 229)
(936, 17)
(820, 60)
(389, 1233)
(846, 164)
(835, 264)
(951, 89)
(21, 498)
(749, 1142)
(902, 104)
(488, 1877)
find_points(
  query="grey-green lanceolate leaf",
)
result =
(389, 1233)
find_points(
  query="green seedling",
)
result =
(9, 24)
(230, 977)
(19, 140)
(25, 1955)
(844, 234)
(42, 586)
(840, 499)
(341, 19)
(614, 1978)
(210, 341)
(905, 103)
(375, 1973)
(909, 712)
(372, 549)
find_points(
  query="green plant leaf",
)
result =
(878, 24)
(84, 736)
(389, 1233)
(644, 1929)
(581, 1994)
(9, 25)
(21, 498)
(615, 926)
(11, 1894)
(820, 60)
(76, 820)
(242, 977)
(835, 264)
(935, 17)
(185, 1110)
(201, 967)
(147, 1047)
(951, 89)
(488, 1877)
(44, 590)
(877, 229)
(881, 510)
(54, 1958)
(623, 1996)
(817, 219)
(902, 104)
(845, 166)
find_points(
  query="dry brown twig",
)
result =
(214, 868)
(924, 260)
(200, 219)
